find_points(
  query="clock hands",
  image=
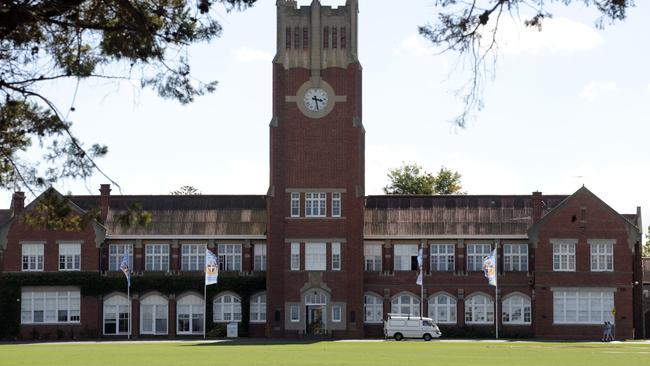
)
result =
(316, 100)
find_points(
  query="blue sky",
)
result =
(568, 107)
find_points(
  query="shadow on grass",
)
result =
(257, 342)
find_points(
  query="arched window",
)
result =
(479, 309)
(516, 310)
(189, 315)
(442, 308)
(315, 297)
(153, 315)
(226, 308)
(116, 315)
(406, 304)
(258, 308)
(373, 308)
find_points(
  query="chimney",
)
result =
(536, 202)
(18, 202)
(104, 194)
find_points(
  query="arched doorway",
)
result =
(316, 310)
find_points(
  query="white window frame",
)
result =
(442, 257)
(476, 252)
(230, 257)
(114, 307)
(336, 204)
(32, 255)
(156, 257)
(583, 305)
(259, 257)
(443, 308)
(403, 254)
(226, 308)
(372, 257)
(515, 257)
(336, 256)
(479, 309)
(115, 255)
(602, 254)
(336, 313)
(294, 313)
(516, 309)
(373, 308)
(69, 256)
(157, 306)
(193, 257)
(315, 257)
(405, 301)
(295, 256)
(191, 307)
(564, 255)
(49, 306)
(315, 204)
(258, 308)
(295, 204)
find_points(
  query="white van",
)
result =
(400, 326)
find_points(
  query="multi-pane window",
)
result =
(442, 309)
(564, 255)
(373, 309)
(516, 310)
(372, 257)
(295, 256)
(32, 257)
(153, 315)
(294, 313)
(156, 258)
(116, 315)
(334, 37)
(442, 257)
(475, 255)
(343, 38)
(189, 315)
(336, 256)
(69, 257)
(296, 38)
(582, 306)
(336, 204)
(315, 256)
(326, 37)
(258, 308)
(229, 257)
(602, 255)
(115, 255)
(406, 257)
(287, 37)
(295, 204)
(50, 307)
(259, 257)
(192, 257)
(305, 38)
(226, 308)
(479, 309)
(336, 313)
(515, 257)
(405, 304)
(315, 204)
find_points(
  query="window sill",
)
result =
(54, 323)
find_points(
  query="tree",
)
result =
(186, 191)
(412, 179)
(470, 28)
(646, 247)
(46, 40)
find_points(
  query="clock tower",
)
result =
(316, 193)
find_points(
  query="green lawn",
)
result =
(327, 353)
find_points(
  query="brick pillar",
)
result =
(460, 257)
(138, 256)
(175, 257)
(135, 316)
(460, 308)
(171, 313)
(247, 257)
(387, 251)
(104, 197)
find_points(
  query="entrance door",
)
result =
(316, 320)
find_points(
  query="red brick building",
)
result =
(331, 261)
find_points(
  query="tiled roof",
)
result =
(4, 216)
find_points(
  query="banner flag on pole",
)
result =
(418, 281)
(211, 267)
(489, 268)
(124, 266)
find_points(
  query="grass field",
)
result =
(327, 353)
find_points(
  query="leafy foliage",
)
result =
(186, 191)
(121, 40)
(412, 179)
(470, 28)
(54, 212)
(135, 215)
(646, 247)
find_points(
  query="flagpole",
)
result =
(128, 295)
(205, 304)
(422, 292)
(496, 293)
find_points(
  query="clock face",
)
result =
(315, 99)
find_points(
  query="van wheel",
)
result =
(427, 337)
(398, 336)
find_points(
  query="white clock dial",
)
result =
(315, 99)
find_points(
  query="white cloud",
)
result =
(413, 45)
(246, 54)
(557, 34)
(594, 90)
